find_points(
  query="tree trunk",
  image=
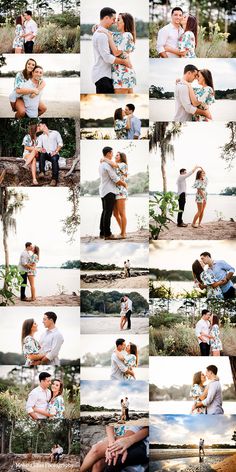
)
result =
(233, 368)
(11, 437)
(163, 171)
(69, 438)
(3, 438)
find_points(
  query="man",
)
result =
(128, 267)
(182, 188)
(39, 397)
(49, 145)
(31, 30)
(108, 191)
(213, 401)
(118, 368)
(202, 332)
(127, 408)
(52, 340)
(169, 35)
(222, 272)
(101, 73)
(135, 131)
(184, 110)
(129, 311)
(32, 101)
(23, 267)
(201, 446)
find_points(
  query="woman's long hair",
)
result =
(215, 320)
(36, 251)
(208, 78)
(118, 114)
(25, 72)
(197, 270)
(26, 329)
(192, 26)
(32, 131)
(197, 378)
(19, 20)
(129, 24)
(60, 389)
(199, 174)
(134, 350)
(123, 157)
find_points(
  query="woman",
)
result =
(198, 392)
(202, 97)
(205, 278)
(15, 97)
(129, 357)
(33, 261)
(122, 123)
(187, 42)
(18, 42)
(56, 407)
(200, 184)
(103, 452)
(123, 310)
(215, 342)
(122, 44)
(30, 345)
(123, 416)
(30, 153)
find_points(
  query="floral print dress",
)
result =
(122, 76)
(208, 278)
(18, 41)
(206, 96)
(33, 260)
(122, 172)
(187, 43)
(195, 392)
(30, 346)
(27, 141)
(201, 185)
(56, 407)
(120, 129)
(130, 361)
(216, 344)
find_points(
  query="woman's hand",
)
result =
(121, 445)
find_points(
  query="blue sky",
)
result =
(115, 253)
(109, 393)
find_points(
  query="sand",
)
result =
(54, 109)
(227, 465)
(212, 230)
(107, 325)
(51, 468)
(136, 237)
(54, 300)
(132, 282)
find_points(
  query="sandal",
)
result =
(35, 182)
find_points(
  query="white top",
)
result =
(126, 403)
(181, 182)
(128, 264)
(103, 59)
(31, 104)
(24, 259)
(168, 36)
(129, 304)
(118, 368)
(50, 141)
(109, 178)
(183, 106)
(38, 398)
(213, 401)
(30, 27)
(50, 344)
(202, 327)
(135, 128)
(59, 450)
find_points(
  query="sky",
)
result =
(174, 305)
(169, 371)
(40, 222)
(188, 429)
(91, 153)
(181, 254)
(115, 253)
(90, 10)
(12, 318)
(103, 343)
(103, 106)
(196, 145)
(109, 394)
(54, 62)
(165, 73)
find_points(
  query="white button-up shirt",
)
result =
(38, 398)
(109, 178)
(102, 56)
(129, 304)
(168, 36)
(202, 327)
(50, 344)
(50, 141)
(135, 129)
(30, 27)
(181, 182)
(24, 259)
(183, 106)
(118, 368)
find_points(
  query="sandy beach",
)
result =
(212, 230)
(54, 300)
(162, 454)
(137, 237)
(105, 325)
(227, 465)
(55, 109)
(132, 282)
(51, 468)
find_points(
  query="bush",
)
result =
(179, 340)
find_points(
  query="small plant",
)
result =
(141, 222)
(162, 208)
(11, 280)
(61, 289)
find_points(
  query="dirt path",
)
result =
(136, 237)
(54, 300)
(212, 230)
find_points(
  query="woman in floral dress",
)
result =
(130, 358)
(123, 310)
(215, 342)
(198, 392)
(18, 42)
(30, 153)
(122, 124)
(200, 184)
(56, 406)
(31, 273)
(30, 345)
(205, 278)
(202, 97)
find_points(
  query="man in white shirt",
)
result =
(202, 332)
(31, 29)
(52, 340)
(58, 452)
(129, 310)
(49, 145)
(127, 408)
(135, 130)
(101, 72)
(169, 35)
(184, 110)
(118, 368)
(23, 268)
(213, 402)
(201, 446)
(39, 398)
(181, 189)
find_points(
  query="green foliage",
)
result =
(228, 191)
(109, 302)
(71, 223)
(162, 208)
(141, 29)
(138, 183)
(65, 19)
(52, 39)
(179, 340)
(11, 280)
(71, 265)
(212, 42)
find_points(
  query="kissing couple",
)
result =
(29, 259)
(123, 360)
(207, 397)
(45, 402)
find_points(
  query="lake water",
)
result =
(105, 413)
(183, 407)
(182, 464)
(141, 67)
(164, 110)
(105, 132)
(177, 288)
(90, 211)
(104, 373)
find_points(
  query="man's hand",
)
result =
(128, 64)
(163, 54)
(121, 445)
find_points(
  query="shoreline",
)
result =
(51, 300)
(212, 230)
(140, 281)
(55, 109)
(134, 237)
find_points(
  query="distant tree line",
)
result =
(71, 265)
(97, 266)
(159, 93)
(48, 73)
(109, 302)
(105, 123)
(228, 191)
(142, 29)
(138, 183)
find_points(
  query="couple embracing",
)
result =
(45, 402)
(178, 38)
(123, 360)
(200, 184)
(29, 259)
(206, 392)
(25, 33)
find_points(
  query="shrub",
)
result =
(179, 340)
